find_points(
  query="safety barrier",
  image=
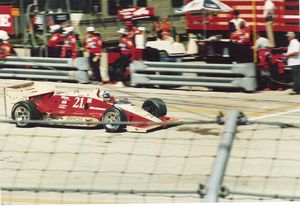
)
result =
(42, 68)
(194, 74)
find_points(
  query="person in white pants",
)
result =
(293, 55)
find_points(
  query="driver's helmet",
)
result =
(106, 95)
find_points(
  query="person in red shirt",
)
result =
(132, 30)
(166, 26)
(93, 45)
(127, 48)
(127, 55)
(5, 47)
(241, 48)
(69, 49)
(242, 36)
(156, 27)
(55, 42)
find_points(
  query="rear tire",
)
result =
(111, 116)
(155, 106)
(25, 111)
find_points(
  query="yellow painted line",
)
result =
(44, 201)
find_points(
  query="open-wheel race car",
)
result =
(39, 102)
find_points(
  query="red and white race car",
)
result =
(30, 101)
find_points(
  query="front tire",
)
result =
(23, 112)
(155, 106)
(113, 115)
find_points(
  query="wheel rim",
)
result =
(111, 117)
(22, 115)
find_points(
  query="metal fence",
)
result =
(88, 166)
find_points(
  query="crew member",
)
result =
(293, 55)
(127, 55)
(242, 35)
(241, 50)
(237, 20)
(55, 42)
(261, 42)
(93, 44)
(132, 30)
(156, 27)
(268, 14)
(166, 26)
(69, 49)
(5, 47)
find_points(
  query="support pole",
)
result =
(254, 30)
(221, 160)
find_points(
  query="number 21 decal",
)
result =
(79, 102)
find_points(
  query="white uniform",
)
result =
(294, 46)
(237, 22)
(262, 43)
(269, 8)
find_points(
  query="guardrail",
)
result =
(41, 68)
(194, 74)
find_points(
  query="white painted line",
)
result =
(97, 108)
(275, 114)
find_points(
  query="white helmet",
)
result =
(122, 31)
(90, 29)
(106, 94)
(54, 28)
(68, 30)
(3, 35)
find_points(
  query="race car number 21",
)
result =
(79, 102)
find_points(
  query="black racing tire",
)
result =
(114, 114)
(155, 106)
(25, 111)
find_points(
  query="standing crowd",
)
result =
(65, 43)
(271, 61)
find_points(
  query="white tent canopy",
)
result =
(204, 5)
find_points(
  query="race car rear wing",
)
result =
(21, 92)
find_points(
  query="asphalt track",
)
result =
(177, 158)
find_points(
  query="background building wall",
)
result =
(108, 25)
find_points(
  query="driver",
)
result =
(105, 95)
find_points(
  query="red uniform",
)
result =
(133, 31)
(55, 44)
(242, 36)
(94, 45)
(55, 41)
(127, 50)
(69, 48)
(5, 50)
(127, 47)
